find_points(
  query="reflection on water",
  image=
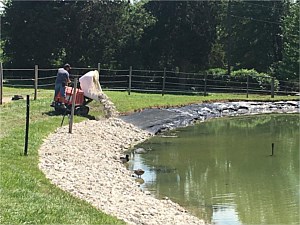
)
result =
(222, 171)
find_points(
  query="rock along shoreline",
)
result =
(86, 163)
(160, 119)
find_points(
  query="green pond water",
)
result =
(221, 170)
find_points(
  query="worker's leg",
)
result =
(63, 95)
(56, 91)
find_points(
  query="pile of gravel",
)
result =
(86, 164)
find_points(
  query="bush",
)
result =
(218, 74)
(262, 79)
(256, 79)
(216, 71)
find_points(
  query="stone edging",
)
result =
(158, 120)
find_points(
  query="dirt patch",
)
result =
(6, 99)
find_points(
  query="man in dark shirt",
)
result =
(62, 79)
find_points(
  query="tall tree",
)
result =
(182, 36)
(106, 32)
(217, 56)
(95, 32)
(136, 19)
(80, 32)
(289, 66)
(256, 34)
(32, 33)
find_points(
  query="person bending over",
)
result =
(62, 79)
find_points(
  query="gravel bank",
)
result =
(86, 164)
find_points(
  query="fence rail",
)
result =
(158, 81)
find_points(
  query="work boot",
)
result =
(63, 106)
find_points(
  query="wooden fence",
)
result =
(156, 81)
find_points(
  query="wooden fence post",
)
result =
(286, 88)
(164, 83)
(205, 78)
(1, 83)
(36, 75)
(73, 106)
(272, 87)
(247, 85)
(99, 68)
(129, 80)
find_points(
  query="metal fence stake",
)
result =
(272, 149)
(27, 126)
(36, 75)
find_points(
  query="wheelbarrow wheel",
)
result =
(82, 110)
(59, 108)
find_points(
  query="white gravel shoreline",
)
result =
(86, 164)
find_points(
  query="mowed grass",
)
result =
(27, 196)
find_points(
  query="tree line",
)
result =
(189, 36)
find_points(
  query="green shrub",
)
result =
(262, 79)
(256, 79)
(216, 72)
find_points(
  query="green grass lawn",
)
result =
(26, 195)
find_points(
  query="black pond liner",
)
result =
(156, 120)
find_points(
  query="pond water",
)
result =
(221, 170)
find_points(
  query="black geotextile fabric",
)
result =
(156, 120)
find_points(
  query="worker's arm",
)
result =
(68, 79)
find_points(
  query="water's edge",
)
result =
(158, 120)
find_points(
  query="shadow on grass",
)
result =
(55, 113)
